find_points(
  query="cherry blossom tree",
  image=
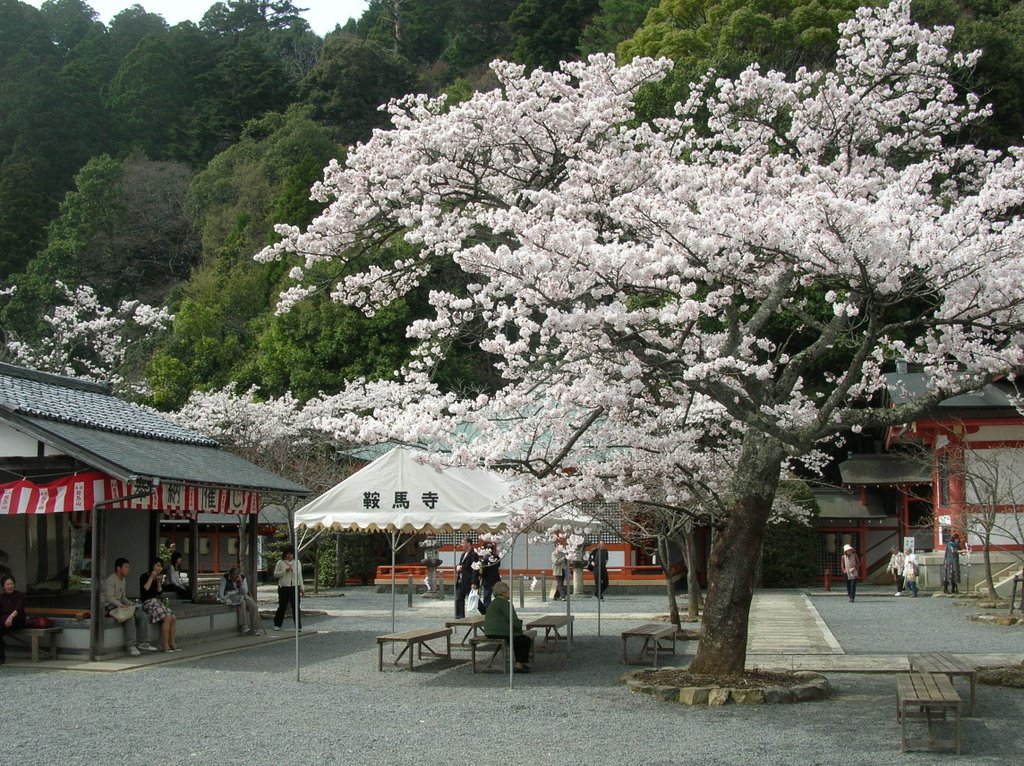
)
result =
(722, 287)
(88, 339)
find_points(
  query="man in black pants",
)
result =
(465, 576)
(288, 574)
(597, 563)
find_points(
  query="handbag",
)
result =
(473, 599)
(123, 613)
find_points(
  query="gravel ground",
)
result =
(247, 706)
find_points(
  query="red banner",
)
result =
(79, 493)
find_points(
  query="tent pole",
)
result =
(394, 550)
(509, 652)
(295, 584)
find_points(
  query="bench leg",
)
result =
(380, 656)
(35, 648)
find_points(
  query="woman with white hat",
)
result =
(850, 564)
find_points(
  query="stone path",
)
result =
(787, 633)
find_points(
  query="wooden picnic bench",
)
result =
(473, 624)
(32, 636)
(653, 633)
(417, 638)
(499, 646)
(551, 624)
(927, 695)
(947, 664)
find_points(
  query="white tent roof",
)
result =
(397, 493)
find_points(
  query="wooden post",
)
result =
(99, 572)
(193, 557)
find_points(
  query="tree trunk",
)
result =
(692, 583)
(987, 558)
(722, 649)
(670, 586)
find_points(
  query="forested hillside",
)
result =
(150, 162)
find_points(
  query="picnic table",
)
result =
(473, 624)
(948, 665)
(417, 638)
(653, 633)
(928, 696)
(552, 623)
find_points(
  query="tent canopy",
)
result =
(397, 493)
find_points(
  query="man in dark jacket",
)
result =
(597, 563)
(465, 576)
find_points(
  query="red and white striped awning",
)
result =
(81, 492)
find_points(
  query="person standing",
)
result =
(465, 576)
(895, 568)
(849, 563)
(12, 611)
(597, 563)
(489, 574)
(951, 566)
(113, 596)
(910, 570)
(288, 574)
(233, 590)
(559, 569)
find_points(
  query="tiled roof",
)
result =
(907, 386)
(170, 461)
(85, 421)
(92, 405)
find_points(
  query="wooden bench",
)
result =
(551, 624)
(31, 637)
(947, 664)
(473, 624)
(927, 695)
(500, 646)
(653, 633)
(80, 615)
(418, 638)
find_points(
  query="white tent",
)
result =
(397, 493)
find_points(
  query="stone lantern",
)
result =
(431, 561)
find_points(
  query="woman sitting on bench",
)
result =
(151, 592)
(12, 612)
(496, 625)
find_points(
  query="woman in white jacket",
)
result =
(288, 574)
(896, 563)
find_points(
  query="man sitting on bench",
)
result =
(496, 624)
(234, 591)
(12, 612)
(114, 598)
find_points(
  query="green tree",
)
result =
(728, 35)
(129, 27)
(122, 231)
(615, 21)
(479, 32)
(69, 21)
(351, 80)
(146, 97)
(246, 83)
(546, 32)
